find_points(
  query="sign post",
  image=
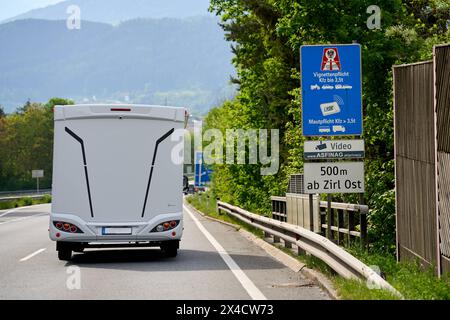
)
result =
(332, 106)
(37, 174)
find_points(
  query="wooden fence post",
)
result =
(363, 223)
(329, 213)
(340, 224)
(351, 226)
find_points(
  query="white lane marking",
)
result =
(28, 257)
(248, 285)
(9, 211)
(24, 218)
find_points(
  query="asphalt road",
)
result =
(214, 262)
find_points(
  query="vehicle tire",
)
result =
(170, 250)
(65, 254)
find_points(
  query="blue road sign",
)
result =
(331, 90)
(202, 172)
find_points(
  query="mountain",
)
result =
(12, 8)
(174, 61)
(115, 11)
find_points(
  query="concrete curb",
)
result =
(294, 264)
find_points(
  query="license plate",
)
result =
(116, 231)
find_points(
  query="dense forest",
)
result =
(266, 37)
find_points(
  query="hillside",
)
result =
(179, 62)
(115, 11)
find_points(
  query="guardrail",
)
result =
(24, 192)
(337, 258)
(16, 195)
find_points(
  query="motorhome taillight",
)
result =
(66, 227)
(166, 226)
(121, 109)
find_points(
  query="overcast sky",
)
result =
(11, 8)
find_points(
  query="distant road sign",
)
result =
(334, 149)
(331, 90)
(37, 173)
(338, 177)
(202, 172)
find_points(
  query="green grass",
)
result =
(24, 202)
(409, 279)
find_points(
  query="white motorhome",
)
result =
(115, 182)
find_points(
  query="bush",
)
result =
(6, 205)
(25, 202)
(47, 199)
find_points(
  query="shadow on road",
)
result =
(154, 260)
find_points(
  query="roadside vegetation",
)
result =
(24, 202)
(408, 278)
(266, 37)
(26, 144)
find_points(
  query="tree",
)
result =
(27, 135)
(266, 36)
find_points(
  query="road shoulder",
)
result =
(290, 262)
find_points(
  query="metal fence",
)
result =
(422, 161)
(344, 222)
(442, 111)
(340, 222)
(296, 184)
(279, 208)
(299, 211)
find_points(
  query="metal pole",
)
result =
(37, 181)
(200, 169)
(311, 212)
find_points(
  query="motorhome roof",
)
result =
(80, 111)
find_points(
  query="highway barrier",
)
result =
(16, 195)
(322, 248)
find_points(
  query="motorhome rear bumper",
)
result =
(92, 231)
